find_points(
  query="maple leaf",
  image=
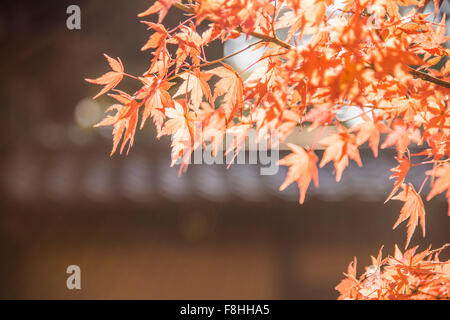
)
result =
(400, 173)
(412, 209)
(205, 8)
(230, 86)
(438, 119)
(339, 147)
(180, 126)
(155, 96)
(320, 115)
(442, 183)
(315, 10)
(161, 7)
(370, 131)
(125, 120)
(401, 136)
(195, 83)
(189, 44)
(110, 79)
(240, 133)
(348, 286)
(214, 127)
(302, 168)
(119, 125)
(377, 261)
(177, 125)
(157, 39)
(130, 114)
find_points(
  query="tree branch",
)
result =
(261, 36)
(426, 77)
(206, 64)
(416, 74)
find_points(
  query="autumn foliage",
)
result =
(408, 275)
(390, 63)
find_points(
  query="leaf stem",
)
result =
(130, 76)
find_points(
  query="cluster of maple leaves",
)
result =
(408, 275)
(365, 53)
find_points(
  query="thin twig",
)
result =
(215, 61)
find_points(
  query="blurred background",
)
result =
(136, 229)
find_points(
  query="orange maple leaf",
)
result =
(124, 120)
(348, 286)
(110, 79)
(157, 39)
(339, 147)
(442, 183)
(231, 87)
(240, 133)
(155, 96)
(370, 131)
(195, 83)
(129, 113)
(180, 126)
(302, 168)
(400, 173)
(161, 7)
(189, 44)
(412, 209)
(401, 135)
